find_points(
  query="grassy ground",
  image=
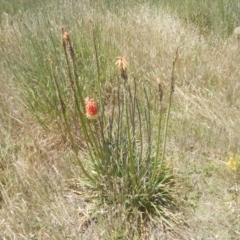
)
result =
(40, 197)
(218, 16)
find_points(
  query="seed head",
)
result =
(160, 88)
(67, 43)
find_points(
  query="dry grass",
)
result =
(40, 198)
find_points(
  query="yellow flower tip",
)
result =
(122, 63)
(66, 36)
(91, 108)
(159, 80)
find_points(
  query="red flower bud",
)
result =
(91, 108)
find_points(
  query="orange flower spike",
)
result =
(66, 36)
(159, 80)
(91, 108)
(122, 63)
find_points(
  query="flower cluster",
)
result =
(234, 163)
(90, 104)
(91, 108)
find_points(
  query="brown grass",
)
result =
(39, 194)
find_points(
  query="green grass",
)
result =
(41, 181)
(218, 16)
(12, 7)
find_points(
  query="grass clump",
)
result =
(126, 167)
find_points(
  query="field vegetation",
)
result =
(119, 119)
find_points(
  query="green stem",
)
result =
(130, 149)
(169, 107)
(68, 128)
(98, 67)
